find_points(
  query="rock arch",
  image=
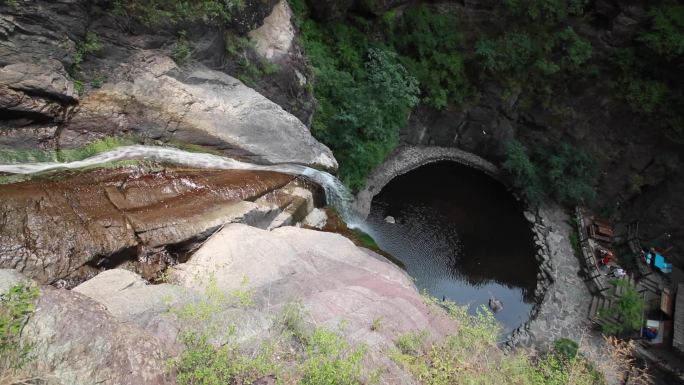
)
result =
(408, 158)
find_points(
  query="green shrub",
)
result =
(626, 313)
(16, 305)
(470, 356)
(644, 95)
(576, 51)
(566, 348)
(666, 33)
(564, 172)
(410, 343)
(157, 12)
(182, 51)
(570, 173)
(248, 66)
(525, 173)
(203, 364)
(331, 360)
(89, 45)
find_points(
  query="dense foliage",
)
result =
(431, 49)
(157, 12)
(369, 77)
(563, 172)
(364, 95)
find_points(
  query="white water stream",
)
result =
(337, 195)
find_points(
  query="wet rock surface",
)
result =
(51, 228)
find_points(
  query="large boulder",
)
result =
(156, 99)
(274, 39)
(335, 281)
(74, 340)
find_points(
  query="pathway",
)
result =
(563, 313)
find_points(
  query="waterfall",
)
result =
(337, 195)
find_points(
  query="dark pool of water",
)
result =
(461, 235)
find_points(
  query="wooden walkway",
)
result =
(594, 277)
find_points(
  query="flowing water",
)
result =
(336, 193)
(461, 236)
(459, 233)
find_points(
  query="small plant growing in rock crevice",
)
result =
(376, 325)
(182, 51)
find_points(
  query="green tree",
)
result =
(570, 173)
(525, 173)
(431, 46)
(666, 33)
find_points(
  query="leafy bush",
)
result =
(248, 66)
(89, 45)
(626, 313)
(564, 172)
(331, 360)
(203, 364)
(182, 51)
(525, 173)
(518, 53)
(576, 50)
(666, 33)
(16, 305)
(644, 95)
(565, 347)
(571, 173)
(158, 12)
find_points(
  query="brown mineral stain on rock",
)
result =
(49, 228)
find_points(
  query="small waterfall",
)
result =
(337, 195)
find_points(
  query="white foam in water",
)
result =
(337, 195)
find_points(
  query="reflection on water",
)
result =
(461, 236)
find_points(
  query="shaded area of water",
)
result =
(461, 235)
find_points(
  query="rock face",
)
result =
(129, 85)
(325, 10)
(156, 99)
(336, 282)
(274, 39)
(41, 89)
(76, 341)
(332, 277)
(49, 229)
